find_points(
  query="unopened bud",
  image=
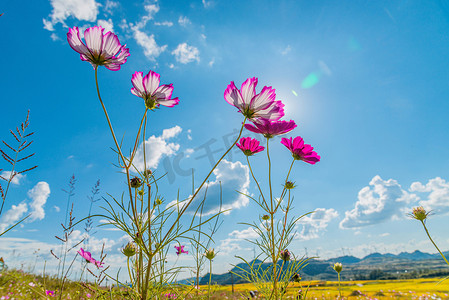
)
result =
(285, 255)
(147, 173)
(130, 249)
(338, 267)
(419, 213)
(210, 254)
(289, 185)
(265, 217)
(135, 182)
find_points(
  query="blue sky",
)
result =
(366, 82)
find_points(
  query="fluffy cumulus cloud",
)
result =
(83, 10)
(232, 244)
(16, 180)
(381, 201)
(38, 195)
(12, 216)
(185, 53)
(315, 223)
(434, 195)
(230, 178)
(156, 147)
(108, 25)
(150, 48)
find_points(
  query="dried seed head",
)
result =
(210, 254)
(419, 213)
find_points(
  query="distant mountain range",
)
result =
(373, 266)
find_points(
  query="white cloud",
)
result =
(165, 23)
(148, 43)
(16, 180)
(57, 208)
(189, 152)
(286, 50)
(108, 25)
(184, 21)
(151, 10)
(185, 53)
(248, 233)
(189, 134)
(233, 177)
(315, 223)
(110, 6)
(156, 147)
(54, 37)
(83, 10)
(12, 216)
(379, 202)
(207, 4)
(39, 195)
(211, 63)
(438, 194)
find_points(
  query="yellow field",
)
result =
(379, 289)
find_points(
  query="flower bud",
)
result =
(419, 213)
(141, 193)
(210, 254)
(158, 202)
(289, 185)
(338, 267)
(147, 173)
(285, 255)
(296, 277)
(135, 182)
(265, 217)
(130, 249)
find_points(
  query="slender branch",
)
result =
(425, 228)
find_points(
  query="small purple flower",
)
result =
(249, 146)
(170, 296)
(100, 49)
(148, 88)
(180, 250)
(301, 151)
(49, 293)
(252, 105)
(270, 129)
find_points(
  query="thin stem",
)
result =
(198, 190)
(210, 277)
(425, 228)
(254, 177)
(339, 287)
(283, 191)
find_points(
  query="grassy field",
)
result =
(19, 285)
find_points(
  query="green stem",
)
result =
(198, 190)
(339, 287)
(283, 191)
(255, 180)
(210, 278)
(441, 253)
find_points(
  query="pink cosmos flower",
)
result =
(170, 296)
(180, 250)
(49, 293)
(252, 105)
(270, 129)
(301, 151)
(88, 257)
(100, 49)
(249, 146)
(148, 88)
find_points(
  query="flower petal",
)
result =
(94, 39)
(168, 102)
(163, 92)
(111, 45)
(248, 90)
(273, 113)
(151, 82)
(136, 80)
(73, 37)
(264, 99)
(232, 96)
